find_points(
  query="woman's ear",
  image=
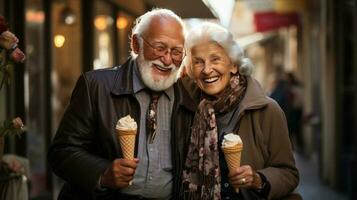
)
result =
(135, 46)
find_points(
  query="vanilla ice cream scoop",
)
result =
(231, 140)
(126, 123)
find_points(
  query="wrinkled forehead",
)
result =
(165, 29)
(207, 48)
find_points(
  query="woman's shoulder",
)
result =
(273, 106)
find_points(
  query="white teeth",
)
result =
(162, 68)
(210, 80)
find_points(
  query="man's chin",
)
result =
(154, 78)
(158, 84)
(160, 76)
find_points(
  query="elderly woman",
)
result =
(233, 102)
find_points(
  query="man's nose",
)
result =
(166, 58)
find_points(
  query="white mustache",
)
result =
(172, 67)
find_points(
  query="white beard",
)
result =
(157, 82)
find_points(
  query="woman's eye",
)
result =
(197, 62)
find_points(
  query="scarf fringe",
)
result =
(205, 188)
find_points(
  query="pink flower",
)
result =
(8, 40)
(18, 56)
(17, 123)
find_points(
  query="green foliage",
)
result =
(8, 128)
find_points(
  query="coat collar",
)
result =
(124, 79)
(255, 97)
(124, 85)
(183, 98)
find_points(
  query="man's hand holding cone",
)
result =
(126, 134)
(122, 171)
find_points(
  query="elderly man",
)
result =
(85, 152)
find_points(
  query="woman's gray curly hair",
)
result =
(210, 32)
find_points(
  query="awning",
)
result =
(268, 21)
(184, 8)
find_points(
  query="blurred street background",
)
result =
(305, 53)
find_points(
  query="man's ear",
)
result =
(234, 69)
(135, 43)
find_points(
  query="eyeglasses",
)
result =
(160, 49)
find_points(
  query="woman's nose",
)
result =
(207, 69)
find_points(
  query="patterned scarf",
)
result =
(201, 175)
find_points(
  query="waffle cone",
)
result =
(233, 156)
(126, 139)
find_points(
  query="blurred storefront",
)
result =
(316, 40)
(62, 39)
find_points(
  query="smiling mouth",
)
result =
(211, 79)
(162, 69)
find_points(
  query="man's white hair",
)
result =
(142, 23)
(210, 32)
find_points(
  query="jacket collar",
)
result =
(124, 79)
(183, 98)
(124, 85)
(255, 97)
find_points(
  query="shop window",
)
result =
(124, 24)
(104, 25)
(35, 96)
(66, 54)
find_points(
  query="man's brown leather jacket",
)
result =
(85, 143)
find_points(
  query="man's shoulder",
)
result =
(108, 74)
(101, 78)
(101, 74)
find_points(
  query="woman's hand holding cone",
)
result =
(245, 177)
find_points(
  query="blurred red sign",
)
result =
(268, 21)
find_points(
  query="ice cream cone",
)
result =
(126, 139)
(233, 156)
(126, 132)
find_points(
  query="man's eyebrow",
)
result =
(159, 42)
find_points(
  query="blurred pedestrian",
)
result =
(295, 102)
